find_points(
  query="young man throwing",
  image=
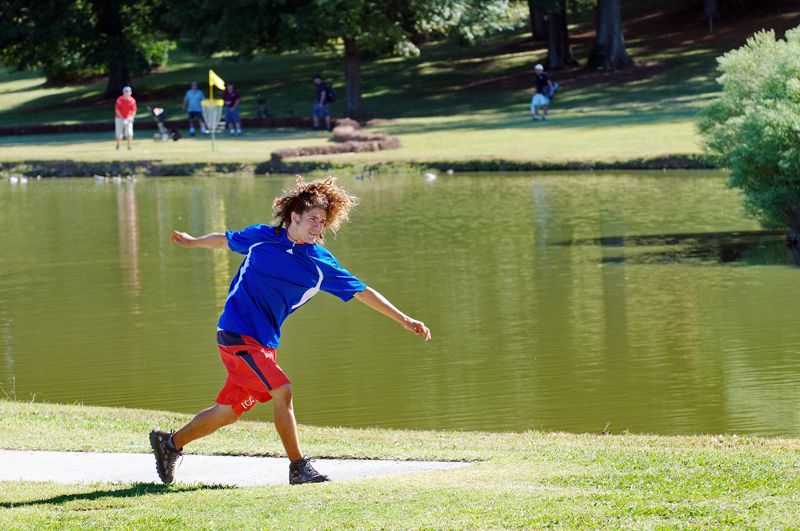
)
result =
(285, 266)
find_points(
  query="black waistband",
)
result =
(226, 339)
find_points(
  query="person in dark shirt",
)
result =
(231, 99)
(321, 104)
(541, 93)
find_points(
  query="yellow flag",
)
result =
(215, 80)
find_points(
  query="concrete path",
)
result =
(85, 467)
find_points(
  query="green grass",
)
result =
(430, 102)
(530, 480)
(441, 139)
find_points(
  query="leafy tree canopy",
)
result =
(366, 27)
(754, 127)
(380, 27)
(71, 39)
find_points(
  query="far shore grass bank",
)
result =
(501, 143)
(146, 168)
(530, 480)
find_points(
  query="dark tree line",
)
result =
(73, 39)
(70, 39)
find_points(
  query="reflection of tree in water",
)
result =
(128, 217)
(8, 352)
(222, 276)
(745, 248)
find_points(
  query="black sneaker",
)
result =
(301, 471)
(166, 455)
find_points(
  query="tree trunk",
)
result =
(710, 7)
(538, 22)
(354, 104)
(109, 19)
(118, 78)
(608, 52)
(559, 53)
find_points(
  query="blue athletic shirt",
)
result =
(195, 100)
(277, 277)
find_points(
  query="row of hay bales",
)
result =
(348, 137)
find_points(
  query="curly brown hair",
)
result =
(322, 193)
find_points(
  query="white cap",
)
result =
(126, 89)
(538, 67)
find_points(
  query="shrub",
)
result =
(754, 128)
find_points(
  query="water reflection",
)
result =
(552, 300)
(128, 216)
(761, 247)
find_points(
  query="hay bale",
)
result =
(348, 122)
(373, 142)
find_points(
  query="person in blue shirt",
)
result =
(284, 266)
(193, 102)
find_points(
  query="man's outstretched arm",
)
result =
(214, 240)
(378, 302)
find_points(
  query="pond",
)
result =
(643, 302)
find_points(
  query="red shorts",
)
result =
(252, 371)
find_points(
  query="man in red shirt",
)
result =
(124, 112)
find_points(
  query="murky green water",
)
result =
(557, 302)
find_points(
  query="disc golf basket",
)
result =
(212, 112)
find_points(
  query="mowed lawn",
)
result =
(454, 139)
(531, 480)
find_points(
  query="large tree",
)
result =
(609, 52)
(70, 39)
(363, 27)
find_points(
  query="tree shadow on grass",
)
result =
(62, 139)
(134, 491)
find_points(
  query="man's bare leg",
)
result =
(285, 423)
(204, 423)
(210, 420)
